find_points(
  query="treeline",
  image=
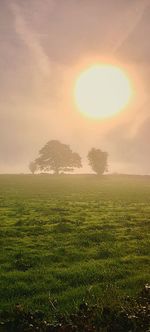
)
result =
(58, 158)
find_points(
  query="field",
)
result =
(63, 238)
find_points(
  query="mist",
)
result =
(44, 45)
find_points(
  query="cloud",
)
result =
(46, 43)
(30, 39)
(131, 18)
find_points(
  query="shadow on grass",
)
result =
(131, 315)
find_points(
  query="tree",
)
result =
(98, 160)
(33, 167)
(57, 157)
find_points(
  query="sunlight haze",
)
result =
(102, 91)
(74, 165)
(45, 48)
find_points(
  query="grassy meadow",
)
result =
(63, 238)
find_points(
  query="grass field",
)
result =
(65, 237)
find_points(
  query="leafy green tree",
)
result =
(57, 157)
(98, 161)
(33, 167)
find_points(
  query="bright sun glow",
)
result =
(102, 91)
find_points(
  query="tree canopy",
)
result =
(57, 157)
(98, 160)
(32, 167)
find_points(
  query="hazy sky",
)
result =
(44, 45)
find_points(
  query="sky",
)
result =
(44, 46)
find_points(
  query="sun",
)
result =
(102, 91)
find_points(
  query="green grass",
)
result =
(63, 236)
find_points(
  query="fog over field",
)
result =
(44, 45)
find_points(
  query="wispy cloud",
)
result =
(132, 17)
(31, 40)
